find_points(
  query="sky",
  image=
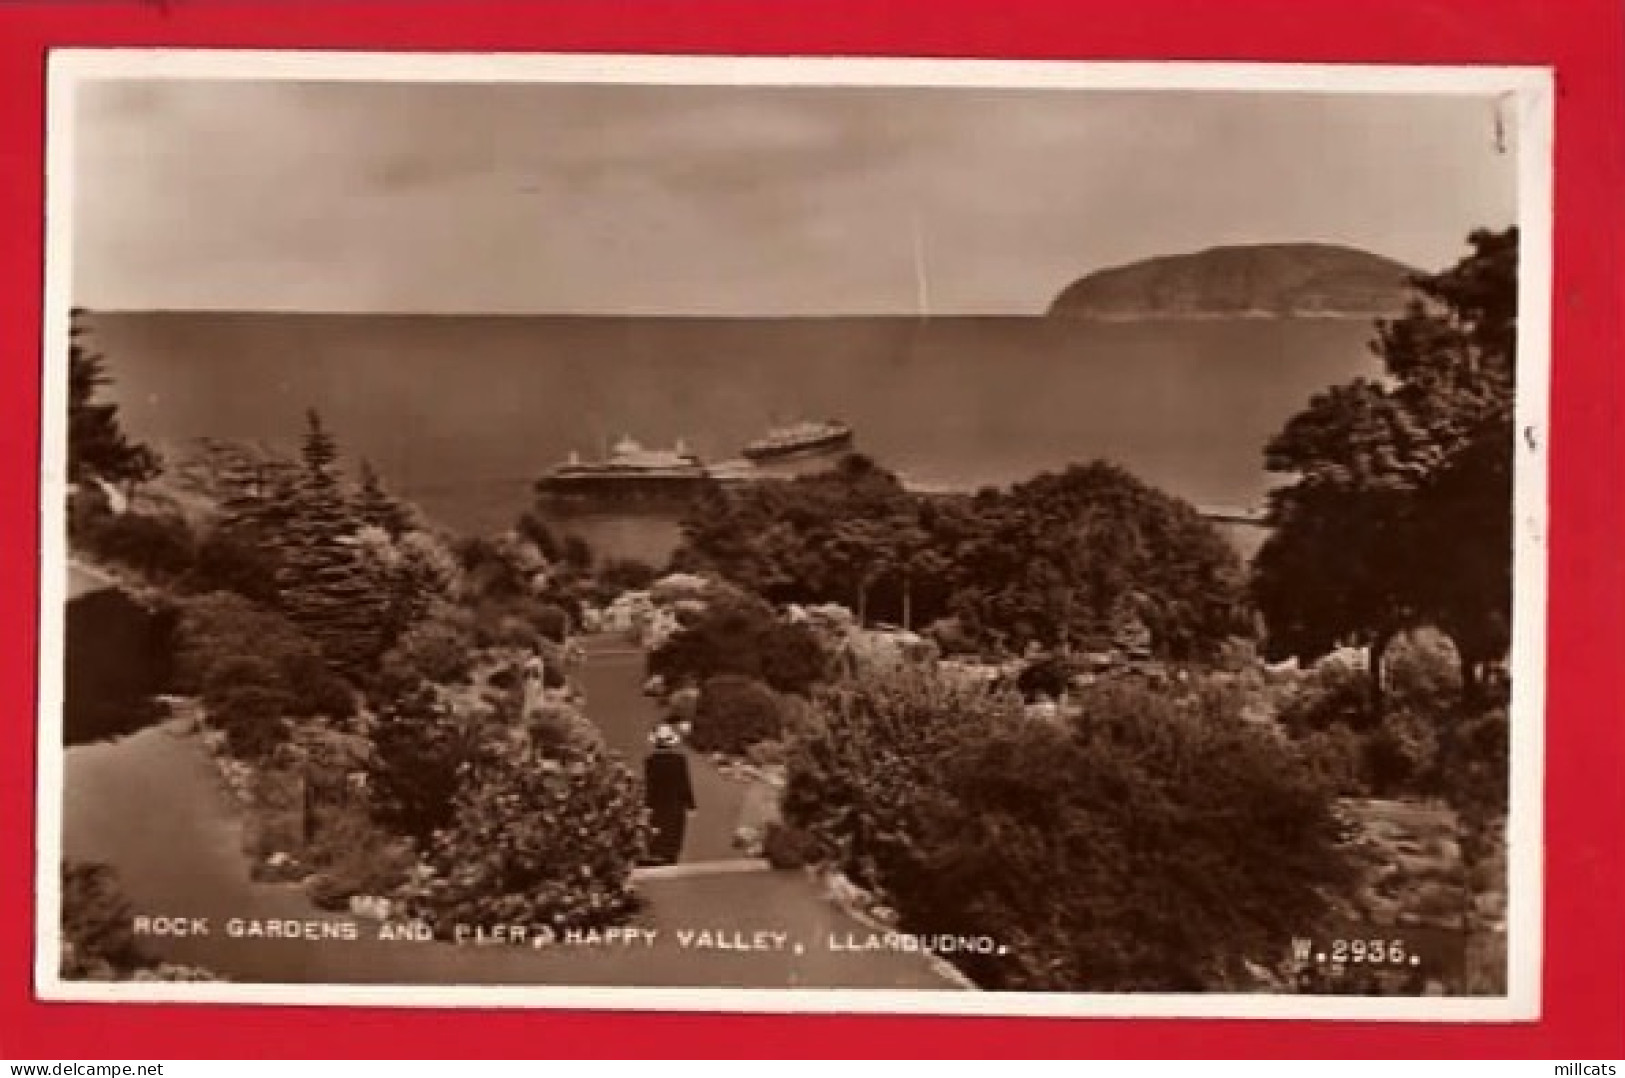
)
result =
(691, 200)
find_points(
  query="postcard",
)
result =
(746, 534)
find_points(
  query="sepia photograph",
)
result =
(947, 537)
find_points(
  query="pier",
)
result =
(1255, 517)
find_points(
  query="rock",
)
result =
(373, 906)
(843, 891)
(1262, 977)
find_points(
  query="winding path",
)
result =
(612, 678)
(151, 805)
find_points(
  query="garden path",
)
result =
(151, 804)
(612, 678)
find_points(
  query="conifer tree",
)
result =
(257, 491)
(376, 507)
(325, 587)
(98, 448)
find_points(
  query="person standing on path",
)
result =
(668, 793)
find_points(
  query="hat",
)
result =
(665, 736)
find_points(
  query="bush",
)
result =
(1401, 753)
(98, 934)
(1422, 672)
(789, 847)
(254, 717)
(1336, 757)
(234, 560)
(555, 727)
(1048, 676)
(97, 923)
(118, 656)
(766, 753)
(439, 650)
(540, 840)
(952, 638)
(223, 627)
(1332, 693)
(551, 621)
(353, 856)
(734, 713)
(421, 747)
(1475, 769)
(520, 622)
(626, 574)
(161, 547)
(1157, 846)
(739, 634)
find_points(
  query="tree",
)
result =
(1077, 556)
(1157, 845)
(325, 586)
(421, 750)
(739, 634)
(1400, 509)
(98, 447)
(825, 537)
(532, 527)
(733, 713)
(376, 507)
(538, 838)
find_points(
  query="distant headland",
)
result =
(1283, 280)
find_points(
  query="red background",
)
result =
(1584, 970)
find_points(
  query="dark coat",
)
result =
(665, 782)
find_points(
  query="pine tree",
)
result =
(375, 506)
(257, 489)
(98, 448)
(325, 587)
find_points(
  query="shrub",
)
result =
(237, 672)
(550, 621)
(223, 627)
(421, 747)
(1157, 846)
(254, 717)
(520, 622)
(1422, 672)
(118, 655)
(733, 713)
(98, 936)
(952, 637)
(766, 753)
(554, 727)
(1332, 693)
(440, 650)
(534, 529)
(1048, 676)
(234, 560)
(1336, 757)
(793, 658)
(1401, 753)
(1475, 767)
(626, 574)
(317, 689)
(161, 547)
(510, 631)
(739, 634)
(789, 847)
(353, 856)
(541, 840)
(97, 922)
(576, 552)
